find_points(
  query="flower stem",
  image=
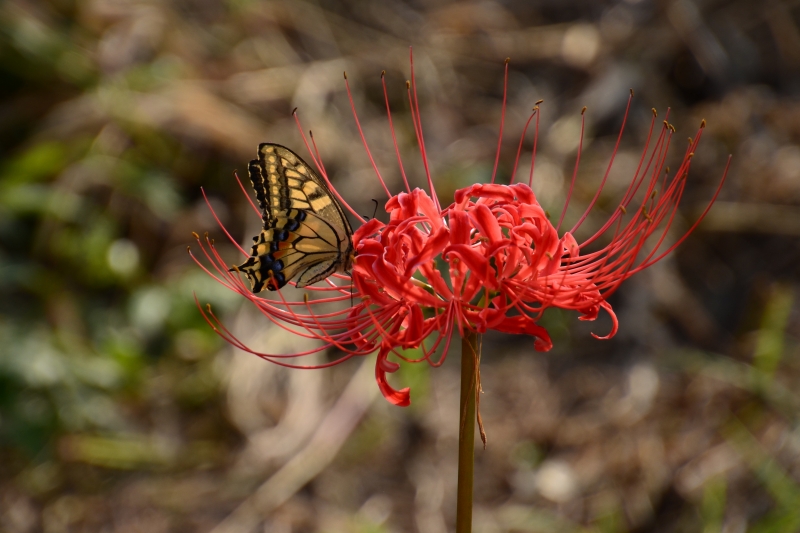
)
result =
(470, 357)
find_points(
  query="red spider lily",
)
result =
(490, 260)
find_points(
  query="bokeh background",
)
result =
(121, 411)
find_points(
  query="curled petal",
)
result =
(476, 262)
(370, 228)
(400, 287)
(383, 366)
(428, 209)
(432, 247)
(460, 227)
(414, 324)
(589, 313)
(436, 280)
(614, 322)
(402, 206)
(485, 190)
(523, 325)
(570, 245)
(487, 223)
(524, 194)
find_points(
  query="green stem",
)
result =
(470, 354)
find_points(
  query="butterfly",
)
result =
(306, 234)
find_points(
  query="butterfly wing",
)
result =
(306, 234)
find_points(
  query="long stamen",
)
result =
(636, 181)
(418, 127)
(219, 223)
(519, 149)
(535, 141)
(575, 171)
(608, 169)
(246, 194)
(391, 128)
(364, 140)
(322, 172)
(502, 121)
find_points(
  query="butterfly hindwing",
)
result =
(306, 235)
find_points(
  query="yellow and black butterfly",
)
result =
(306, 233)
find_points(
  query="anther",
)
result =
(672, 128)
(539, 101)
(294, 111)
(655, 113)
(624, 211)
(305, 297)
(547, 214)
(205, 235)
(666, 124)
(666, 171)
(691, 155)
(383, 73)
(189, 249)
(195, 235)
(631, 92)
(345, 75)
(583, 110)
(508, 60)
(310, 134)
(702, 123)
(690, 140)
(408, 84)
(208, 306)
(654, 194)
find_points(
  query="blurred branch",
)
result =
(311, 460)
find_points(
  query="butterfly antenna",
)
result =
(375, 211)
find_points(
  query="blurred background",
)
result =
(121, 411)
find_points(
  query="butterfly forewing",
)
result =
(306, 234)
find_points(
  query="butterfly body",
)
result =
(306, 235)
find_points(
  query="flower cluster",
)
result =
(491, 260)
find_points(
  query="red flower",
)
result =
(490, 260)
